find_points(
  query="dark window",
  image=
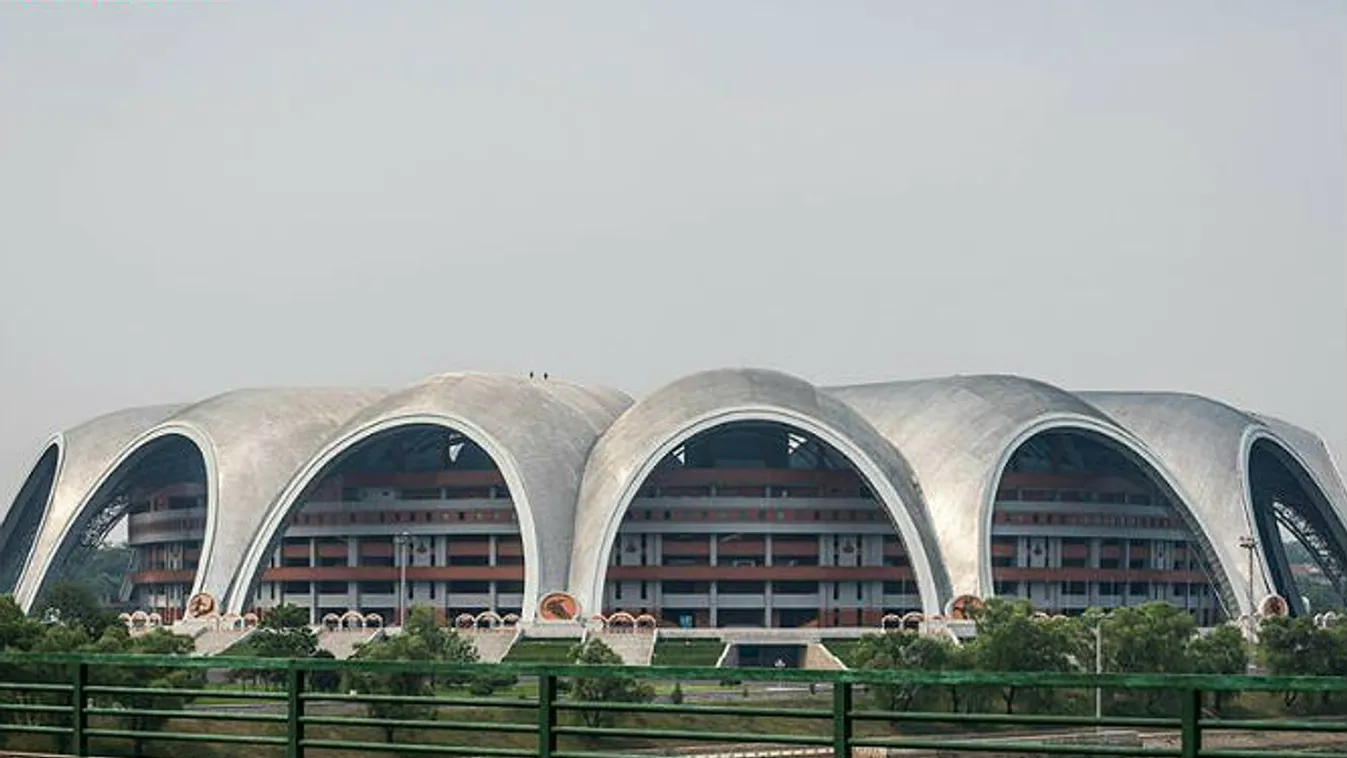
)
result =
(332, 588)
(1139, 588)
(296, 588)
(376, 588)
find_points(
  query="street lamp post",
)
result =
(1250, 544)
(402, 540)
(1098, 669)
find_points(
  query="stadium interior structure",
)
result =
(501, 510)
(1077, 525)
(757, 524)
(423, 496)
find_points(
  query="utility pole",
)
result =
(402, 540)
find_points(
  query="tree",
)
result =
(1010, 638)
(1149, 639)
(404, 647)
(285, 617)
(904, 650)
(1222, 651)
(422, 639)
(75, 605)
(155, 642)
(611, 688)
(1297, 647)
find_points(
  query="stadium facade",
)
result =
(730, 498)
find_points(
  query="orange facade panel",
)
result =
(163, 577)
(798, 548)
(760, 573)
(384, 573)
(1096, 575)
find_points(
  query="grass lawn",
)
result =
(539, 651)
(687, 652)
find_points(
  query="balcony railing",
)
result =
(100, 705)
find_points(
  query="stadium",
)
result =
(730, 499)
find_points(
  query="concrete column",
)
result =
(715, 602)
(491, 558)
(767, 550)
(715, 542)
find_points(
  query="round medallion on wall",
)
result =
(558, 606)
(1274, 606)
(964, 607)
(201, 604)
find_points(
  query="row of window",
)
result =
(375, 516)
(1183, 589)
(729, 587)
(1038, 495)
(389, 588)
(1115, 520)
(758, 514)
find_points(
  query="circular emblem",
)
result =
(965, 607)
(1274, 606)
(201, 604)
(558, 606)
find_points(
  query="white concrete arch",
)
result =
(653, 428)
(1145, 460)
(249, 570)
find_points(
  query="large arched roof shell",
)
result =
(657, 424)
(1206, 445)
(959, 433)
(84, 453)
(539, 433)
(251, 442)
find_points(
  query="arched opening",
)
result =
(758, 524)
(1079, 522)
(418, 501)
(159, 492)
(20, 526)
(1302, 539)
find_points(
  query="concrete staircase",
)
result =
(818, 657)
(492, 644)
(343, 643)
(216, 641)
(635, 648)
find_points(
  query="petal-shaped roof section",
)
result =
(1206, 445)
(251, 441)
(539, 433)
(650, 429)
(86, 453)
(959, 433)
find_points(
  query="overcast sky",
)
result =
(1129, 195)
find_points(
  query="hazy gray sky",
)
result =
(1133, 195)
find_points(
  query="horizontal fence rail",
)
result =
(85, 705)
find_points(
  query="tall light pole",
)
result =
(1250, 544)
(402, 540)
(1098, 669)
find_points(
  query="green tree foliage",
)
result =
(1010, 638)
(1221, 651)
(285, 617)
(422, 639)
(1152, 639)
(1296, 647)
(75, 605)
(907, 650)
(604, 689)
(156, 642)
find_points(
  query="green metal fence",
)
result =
(128, 705)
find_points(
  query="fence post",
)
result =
(841, 719)
(1191, 720)
(294, 711)
(79, 710)
(547, 715)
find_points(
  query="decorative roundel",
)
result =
(558, 606)
(1274, 606)
(201, 604)
(964, 607)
